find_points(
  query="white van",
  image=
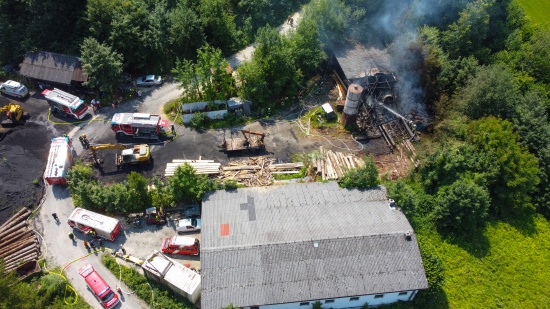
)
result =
(14, 88)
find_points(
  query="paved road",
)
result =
(60, 250)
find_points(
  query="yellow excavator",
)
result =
(14, 113)
(137, 154)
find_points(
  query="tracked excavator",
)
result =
(13, 114)
(136, 154)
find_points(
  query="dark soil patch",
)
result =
(23, 155)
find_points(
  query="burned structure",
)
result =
(372, 102)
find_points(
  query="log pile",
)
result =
(18, 243)
(334, 165)
(257, 171)
(200, 166)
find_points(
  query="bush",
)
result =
(361, 178)
(199, 120)
(164, 298)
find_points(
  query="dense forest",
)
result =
(480, 200)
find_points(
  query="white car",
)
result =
(149, 80)
(188, 225)
(14, 88)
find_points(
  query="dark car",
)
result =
(192, 211)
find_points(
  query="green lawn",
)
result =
(538, 11)
(504, 268)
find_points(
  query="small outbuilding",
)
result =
(293, 245)
(53, 68)
(177, 277)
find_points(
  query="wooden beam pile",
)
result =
(18, 243)
(200, 166)
(257, 171)
(334, 165)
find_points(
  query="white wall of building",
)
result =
(345, 302)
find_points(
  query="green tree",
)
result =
(466, 35)
(219, 25)
(187, 186)
(462, 207)
(114, 198)
(272, 73)
(491, 92)
(79, 181)
(306, 46)
(362, 178)
(161, 196)
(139, 197)
(186, 31)
(187, 78)
(517, 174)
(332, 17)
(103, 66)
(215, 79)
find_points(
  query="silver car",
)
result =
(188, 225)
(149, 80)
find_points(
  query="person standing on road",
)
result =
(54, 215)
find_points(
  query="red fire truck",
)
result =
(65, 103)
(60, 160)
(139, 125)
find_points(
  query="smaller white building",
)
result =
(179, 278)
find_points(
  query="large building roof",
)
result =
(53, 67)
(356, 60)
(304, 242)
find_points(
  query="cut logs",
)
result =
(333, 165)
(200, 166)
(18, 243)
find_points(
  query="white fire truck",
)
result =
(139, 125)
(60, 160)
(86, 221)
(65, 103)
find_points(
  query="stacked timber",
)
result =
(18, 242)
(257, 171)
(200, 166)
(333, 165)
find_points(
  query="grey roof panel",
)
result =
(356, 59)
(52, 67)
(361, 248)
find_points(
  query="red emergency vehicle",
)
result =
(86, 221)
(139, 125)
(60, 160)
(65, 103)
(181, 245)
(99, 287)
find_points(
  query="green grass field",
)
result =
(504, 268)
(538, 11)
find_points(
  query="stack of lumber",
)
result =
(250, 172)
(257, 171)
(18, 243)
(200, 166)
(334, 165)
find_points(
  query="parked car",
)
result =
(98, 286)
(192, 211)
(188, 225)
(148, 80)
(181, 245)
(14, 88)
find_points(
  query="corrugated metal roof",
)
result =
(356, 59)
(53, 67)
(361, 245)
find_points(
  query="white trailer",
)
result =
(60, 160)
(177, 277)
(86, 221)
